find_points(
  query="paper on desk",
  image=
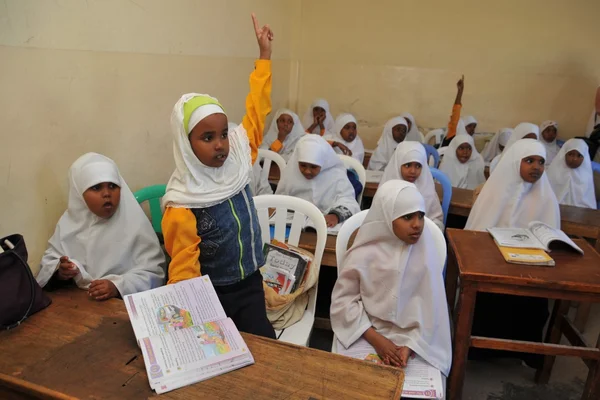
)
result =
(374, 176)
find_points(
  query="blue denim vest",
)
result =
(230, 239)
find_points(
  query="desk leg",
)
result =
(591, 391)
(462, 339)
(451, 282)
(553, 335)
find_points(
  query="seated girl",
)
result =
(316, 174)
(103, 242)
(517, 194)
(496, 145)
(571, 175)
(345, 132)
(394, 132)
(414, 134)
(463, 164)
(470, 124)
(524, 130)
(284, 133)
(409, 163)
(318, 118)
(549, 131)
(390, 291)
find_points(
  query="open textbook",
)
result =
(538, 236)
(421, 380)
(184, 334)
(306, 223)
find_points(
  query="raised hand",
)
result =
(67, 269)
(461, 84)
(264, 36)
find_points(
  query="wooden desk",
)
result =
(87, 349)
(308, 241)
(477, 261)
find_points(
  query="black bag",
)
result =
(20, 294)
(593, 141)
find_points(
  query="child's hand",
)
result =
(343, 148)
(102, 289)
(67, 269)
(321, 120)
(405, 353)
(331, 220)
(461, 84)
(264, 36)
(387, 351)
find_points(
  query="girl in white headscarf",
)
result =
(318, 118)
(284, 133)
(463, 164)
(394, 132)
(496, 145)
(409, 163)
(414, 134)
(345, 131)
(316, 174)
(524, 130)
(470, 124)
(548, 133)
(391, 290)
(571, 175)
(104, 241)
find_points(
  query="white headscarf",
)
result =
(290, 140)
(329, 189)
(123, 248)
(407, 152)
(386, 145)
(308, 118)
(573, 187)
(552, 148)
(520, 131)
(507, 201)
(468, 175)
(413, 134)
(469, 119)
(394, 287)
(356, 146)
(193, 184)
(492, 148)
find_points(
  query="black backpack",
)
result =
(593, 141)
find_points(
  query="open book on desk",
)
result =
(537, 236)
(307, 224)
(184, 334)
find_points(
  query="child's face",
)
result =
(530, 135)
(209, 140)
(471, 128)
(319, 112)
(532, 168)
(463, 152)
(103, 199)
(411, 171)
(309, 170)
(409, 227)
(574, 159)
(399, 133)
(549, 134)
(285, 123)
(348, 132)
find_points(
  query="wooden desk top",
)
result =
(308, 241)
(87, 349)
(479, 259)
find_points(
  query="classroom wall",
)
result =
(103, 76)
(523, 60)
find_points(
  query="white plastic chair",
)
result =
(268, 156)
(353, 163)
(436, 134)
(354, 223)
(300, 332)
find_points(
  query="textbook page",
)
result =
(516, 237)
(421, 380)
(547, 235)
(174, 307)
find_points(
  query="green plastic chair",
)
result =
(152, 194)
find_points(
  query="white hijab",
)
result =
(468, 175)
(356, 146)
(573, 187)
(329, 189)
(492, 148)
(193, 184)
(290, 140)
(386, 145)
(394, 287)
(469, 119)
(413, 134)
(308, 118)
(520, 131)
(507, 201)
(123, 249)
(407, 152)
(552, 148)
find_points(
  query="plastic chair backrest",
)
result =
(346, 231)
(153, 194)
(268, 156)
(436, 134)
(353, 163)
(299, 333)
(440, 242)
(596, 169)
(432, 152)
(446, 190)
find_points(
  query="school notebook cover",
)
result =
(184, 334)
(515, 255)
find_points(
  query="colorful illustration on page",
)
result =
(212, 339)
(172, 318)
